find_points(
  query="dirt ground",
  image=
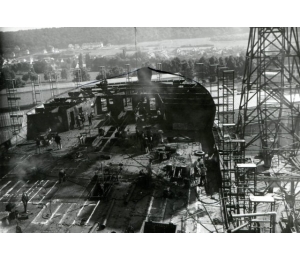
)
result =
(69, 207)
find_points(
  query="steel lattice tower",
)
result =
(269, 107)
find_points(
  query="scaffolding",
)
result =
(222, 90)
(53, 83)
(269, 113)
(36, 91)
(233, 164)
(13, 103)
(231, 154)
(213, 79)
(201, 72)
(245, 185)
(128, 72)
(271, 79)
(103, 72)
(263, 223)
(158, 67)
(226, 96)
(78, 76)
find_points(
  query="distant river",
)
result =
(26, 93)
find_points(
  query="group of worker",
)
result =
(80, 119)
(39, 143)
(14, 214)
(142, 111)
(145, 139)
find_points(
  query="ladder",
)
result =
(36, 92)
(13, 103)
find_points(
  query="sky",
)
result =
(13, 29)
(157, 13)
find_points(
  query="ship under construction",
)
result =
(155, 152)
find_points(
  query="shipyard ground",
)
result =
(69, 207)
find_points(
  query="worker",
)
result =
(82, 118)
(208, 160)
(159, 117)
(142, 139)
(146, 145)
(25, 200)
(202, 175)
(80, 139)
(149, 167)
(58, 141)
(38, 145)
(90, 119)
(49, 137)
(78, 121)
(197, 165)
(150, 139)
(137, 133)
(62, 175)
(18, 229)
(161, 136)
(101, 132)
(206, 157)
(95, 177)
(158, 112)
(13, 215)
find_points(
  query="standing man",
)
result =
(62, 175)
(78, 121)
(25, 199)
(137, 133)
(158, 115)
(202, 175)
(90, 118)
(82, 118)
(197, 166)
(146, 145)
(58, 141)
(142, 137)
(38, 145)
(149, 167)
(80, 139)
(150, 139)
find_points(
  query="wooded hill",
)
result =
(61, 37)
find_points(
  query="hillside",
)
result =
(61, 37)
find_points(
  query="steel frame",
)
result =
(271, 81)
(13, 103)
(213, 85)
(272, 57)
(53, 84)
(225, 95)
(78, 75)
(36, 92)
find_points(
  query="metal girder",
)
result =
(13, 103)
(271, 76)
(279, 178)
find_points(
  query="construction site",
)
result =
(154, 152)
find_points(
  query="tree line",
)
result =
(62, 37)
(201, 68)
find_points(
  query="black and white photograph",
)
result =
(127, 127)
